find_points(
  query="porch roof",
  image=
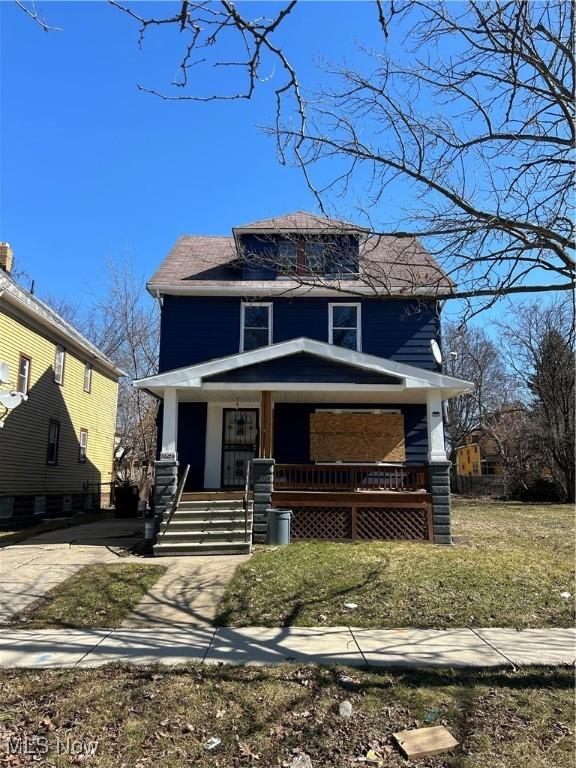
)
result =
(407, 377)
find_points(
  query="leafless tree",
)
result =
(539, 342)
(474, 357)
(124, 323)
(476, 122)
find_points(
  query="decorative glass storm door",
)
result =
(239, 445)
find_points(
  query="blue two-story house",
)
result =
(308, 350)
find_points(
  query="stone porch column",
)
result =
(166, 468)
(263, 479)
(438, 471)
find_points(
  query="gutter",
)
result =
(87, 352)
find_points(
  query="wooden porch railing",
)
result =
(343, 477)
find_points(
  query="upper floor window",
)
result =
(287, 256)
(59, 364)
(344, 326)
(319, 256)
(53, 442)
(88, 377)
(255, 326)
(24, 375)
(83, 447)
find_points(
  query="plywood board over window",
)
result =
(366, 437)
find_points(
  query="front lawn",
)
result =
(161, 717)
(514, 562)
(96, 596)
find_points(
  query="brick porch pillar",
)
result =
(439, 482)
(263, 479)
(165, 484)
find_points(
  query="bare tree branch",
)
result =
(33, 13)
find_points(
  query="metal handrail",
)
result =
(177, 496)
(246, 499)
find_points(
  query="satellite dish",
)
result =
(436, 351)
(4, 373)
(11, 400)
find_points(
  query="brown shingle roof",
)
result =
(299, 220)
(385, 262)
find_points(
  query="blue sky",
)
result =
(93, 168)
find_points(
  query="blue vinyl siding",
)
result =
(198, 328)
(195, 329)
(292, 431)
(304, 368)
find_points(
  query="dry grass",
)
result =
(263, 716)
(98, 595)
(516, 561)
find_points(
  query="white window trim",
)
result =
(27, 382)
(83, 448)
(358, 306)
(88, 371)
(245, 304)
(60, 350)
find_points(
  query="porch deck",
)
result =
(349, 502)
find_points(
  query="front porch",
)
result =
(353, 444)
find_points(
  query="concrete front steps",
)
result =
(211, 525)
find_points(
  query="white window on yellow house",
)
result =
(83, 448)
(23, 385)
(53, 442)
(88, 377)
(59, 364)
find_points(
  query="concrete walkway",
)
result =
(186, 596)
(410, 648)
(188, 593)
(30, 569)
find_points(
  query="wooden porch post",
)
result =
(266, 426)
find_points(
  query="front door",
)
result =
(239, 444)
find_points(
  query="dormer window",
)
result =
(287, 256)
(306, 255)
(255, 326)
(315, 253)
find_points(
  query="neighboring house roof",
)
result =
(200, 264)
(409, 376)
(45, 316)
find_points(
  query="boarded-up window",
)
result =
(357, 437)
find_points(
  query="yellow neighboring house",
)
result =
(478, 457)
(56, 447)
(468, 461)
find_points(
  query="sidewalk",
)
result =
(409, 648)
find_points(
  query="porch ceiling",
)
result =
(284, 396)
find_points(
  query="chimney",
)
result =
(6, 257)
